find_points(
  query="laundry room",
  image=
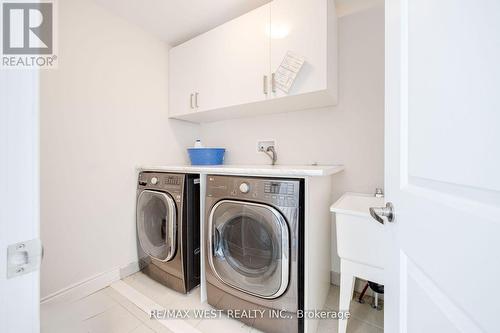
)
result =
(247, 166)
(113, 118)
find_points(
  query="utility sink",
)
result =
(361, 245)
(360, 238)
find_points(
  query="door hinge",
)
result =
(24, 257)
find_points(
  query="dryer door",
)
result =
(249, 247)
(157, 224)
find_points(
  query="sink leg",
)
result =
(360, 299)
(375, 300)
(346, 293)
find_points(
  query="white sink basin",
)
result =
(360, 238)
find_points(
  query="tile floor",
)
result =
(108, 311)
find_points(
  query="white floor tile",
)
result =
(362, 312)
(93, 305)
(154, 325)
(222, 325)
(157, 292)
(166, 298)
(114, 320)
(65, 327)
(357, 326)
(332, 300)
(365, 312)
(143, 329)
(59, 317)
(109, 311)
(54, 314)
(254, 330)
(353, 326)
(328, 326)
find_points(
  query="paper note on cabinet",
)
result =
(288, 71)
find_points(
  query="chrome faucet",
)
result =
(268, 148)
(271, 152)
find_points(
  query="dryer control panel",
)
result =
(167, 182)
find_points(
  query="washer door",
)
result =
(249, 247)
(156, 224)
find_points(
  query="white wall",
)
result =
(350, 133)
(103, 112)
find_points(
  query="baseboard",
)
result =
(130, 269)
(335, 278)
(84, 288)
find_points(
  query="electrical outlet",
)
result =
(264, 145)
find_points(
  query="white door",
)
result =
(235, 58)
(19, 216)
(443, 165)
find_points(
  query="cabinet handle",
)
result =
(191, 101)
(196, 100)
(264, 84)
(273, 82)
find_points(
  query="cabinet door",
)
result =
(183, 77)
(235, 59)
(300, 27)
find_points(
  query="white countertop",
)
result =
(356, 204)
(251, 170)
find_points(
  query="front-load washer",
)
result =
(168, 225)
(255, 249)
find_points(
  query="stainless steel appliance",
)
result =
(168, 224)
(254, 249)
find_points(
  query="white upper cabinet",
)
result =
(301, 27)
(229, 71)
(235, 58)
(184, 73)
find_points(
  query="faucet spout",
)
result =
(271, 152)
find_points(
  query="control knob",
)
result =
(244, 188)
(154, 180)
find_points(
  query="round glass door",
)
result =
(156, 224)
(250, 247)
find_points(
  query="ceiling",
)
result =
(176, 21)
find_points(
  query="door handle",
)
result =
(196, 100)
(191, 101)
(378, 212)
(216, 244)
(273, 82)
(264, 84)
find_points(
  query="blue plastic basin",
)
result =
(206, 156)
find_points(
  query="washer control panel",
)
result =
(279, 188)
(279, 192)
